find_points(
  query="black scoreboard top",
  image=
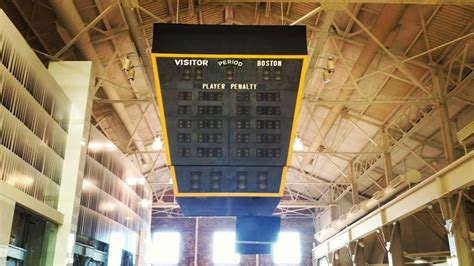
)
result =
(221, 39)
(229, 98)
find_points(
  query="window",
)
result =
(165, 248)
(115, 249)
(223, 248)
(323, 261)
(287, 250)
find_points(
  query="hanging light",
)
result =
(131, 73)
(131, 181)
(298, 144)
(452, 261)
(145, 203)
(141, 180)
(326, 76)
(419, 261)
(126, 63)
(157, 144)
(331, 67)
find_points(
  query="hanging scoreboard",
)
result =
(229, 97)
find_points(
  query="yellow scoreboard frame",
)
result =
(299, 96)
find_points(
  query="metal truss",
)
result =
(372, 155)
(370, 158)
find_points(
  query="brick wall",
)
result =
(206, 228)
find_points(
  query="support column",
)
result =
(440, 88)
(394, 246)
(76, 80)
(355, 188)
(357, 253)
(457, 224)
(334, 258)
(7, 209)
(196, 242)
(452, 207)
(143, 247)
(387, 157)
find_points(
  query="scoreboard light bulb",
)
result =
(215, 185)
(157, 144)
(298, 144)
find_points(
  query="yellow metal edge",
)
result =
(224, 56)
(284, 171)
(175, 182)
(163, 120)
(227, 194)
(297, 109)
(299, 98)
(293, 130)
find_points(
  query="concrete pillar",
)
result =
(394, 246)
(49, 243)
(76, 80)
(387, 157)
(7, 209)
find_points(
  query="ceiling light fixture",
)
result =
(131, 181)
(326, 76)
(145, 203)
(141, 180)
(131, 73)
(157, 144)
(452, 261)
(126, 63)
(331, 67)
(419, 261)
(298, 144)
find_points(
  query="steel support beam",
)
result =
(333, 258)
(452, 178)
(387, 157)
(417, 101)
(457, 223)
(387, 21)
(357, 253)
(309, 14)
(70, 18)
(394, 246)
(355, 188)
(447, 136)
(418, 2)
(84, 30)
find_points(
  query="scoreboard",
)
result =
(229, 97)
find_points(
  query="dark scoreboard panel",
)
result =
(228, 97)
(224, 113)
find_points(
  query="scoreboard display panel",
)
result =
(229, 97)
